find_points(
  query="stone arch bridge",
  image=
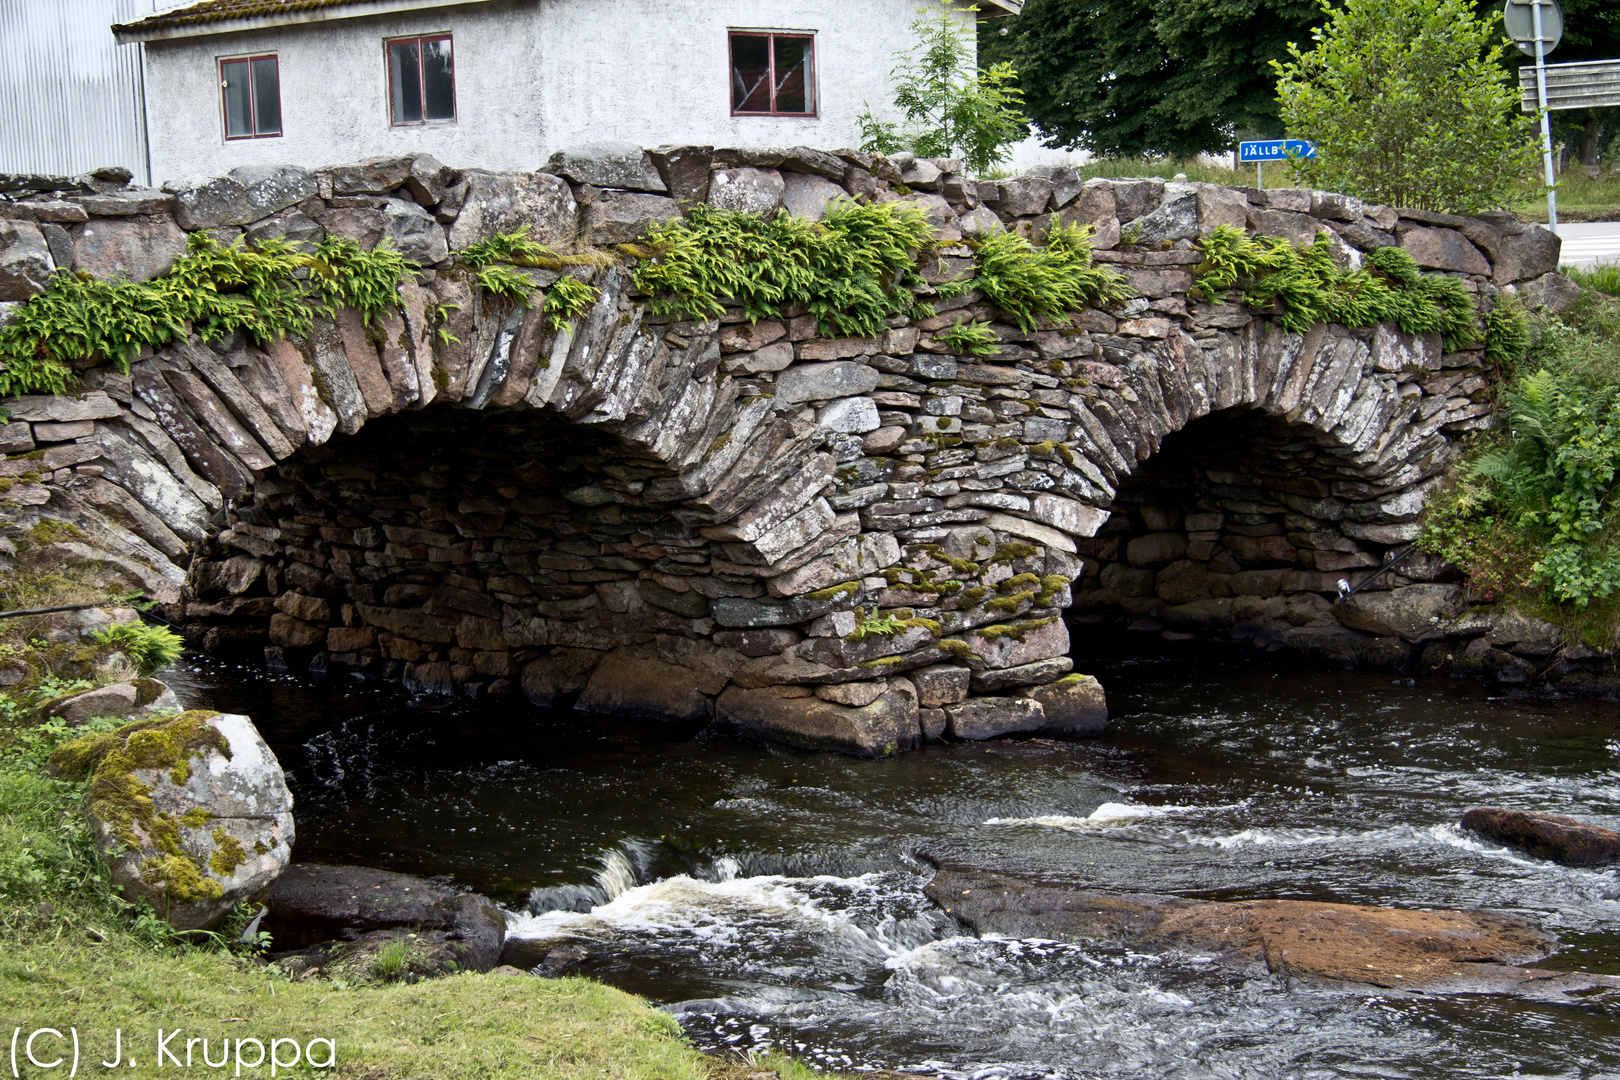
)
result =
(855, 543)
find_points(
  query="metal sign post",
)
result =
(1546, 29)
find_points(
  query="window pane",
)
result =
(266, 97)
(439, 79)
(750, 73)
(793, 75)
(238, 110)
(405, 81)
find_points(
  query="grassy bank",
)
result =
(74, 956)
(1532, 517)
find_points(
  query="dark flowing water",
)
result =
(773, 899)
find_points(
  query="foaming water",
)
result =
(773, 900)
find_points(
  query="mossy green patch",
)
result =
(1017, 549)
(1016, 631)
(51, 531)
(123, 802)
(1010, 604)
(228, 853)
(1052, 585)
(1017, 583)
(834, 592)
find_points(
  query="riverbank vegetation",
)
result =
(75, 955)
(1532, 517)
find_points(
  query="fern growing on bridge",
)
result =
(212, 290)
(851, 270)
(1308, 286)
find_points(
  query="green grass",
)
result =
(1580, 198)
(1167, 168)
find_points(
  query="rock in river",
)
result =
(1553, 837)
(313, 904)
(1433, 951)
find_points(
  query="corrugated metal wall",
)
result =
(70, 99)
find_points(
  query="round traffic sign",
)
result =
(1519, 20)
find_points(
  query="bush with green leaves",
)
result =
(1306, 286)
(213, 290)
(953, 108)
(1410, 104)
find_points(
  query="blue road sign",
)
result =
(1275, 149)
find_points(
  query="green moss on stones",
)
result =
(835, 592)
(1010, 604)
(1052, 586)
(1016, 631)
(51, 531)
(1018, 583)
(228, 853)
(123, 802)
(1006, 553)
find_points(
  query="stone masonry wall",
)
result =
(846, 543)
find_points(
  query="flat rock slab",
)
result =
(1431, 951)
(312, 903)
(1554, 837)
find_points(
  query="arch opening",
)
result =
(449, 549)
(1244, 526)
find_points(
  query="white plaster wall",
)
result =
(532, 76)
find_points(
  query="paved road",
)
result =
(1586, 245)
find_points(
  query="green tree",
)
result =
(1409, 104)
(951, 107)
(1134, 77)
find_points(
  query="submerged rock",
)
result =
(191, 813)
(312, 904)
(1554, 837)
(1434, 951)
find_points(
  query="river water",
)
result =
(772, 899)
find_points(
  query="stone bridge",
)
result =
(854, 543)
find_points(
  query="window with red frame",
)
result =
(251, 91)
(421, 80)
(773, 74)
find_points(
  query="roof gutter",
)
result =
(227, 24)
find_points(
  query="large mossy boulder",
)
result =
(191, 813)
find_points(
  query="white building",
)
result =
(501, 84)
